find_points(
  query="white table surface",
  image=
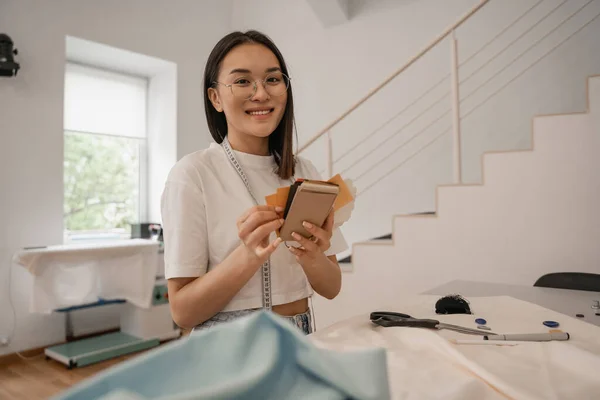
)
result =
(425, 364)
(568, 302)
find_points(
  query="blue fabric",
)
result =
(259, 356)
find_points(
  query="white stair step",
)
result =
(557, 133)
(501, 167)
(413, 229)
(451, 200)
(535, 213)
(368, 256)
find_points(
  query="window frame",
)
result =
(143, 178)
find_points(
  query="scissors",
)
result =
(388, 318)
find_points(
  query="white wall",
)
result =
(536, 213)
(331, 68)
(334, 67)
(31, 116)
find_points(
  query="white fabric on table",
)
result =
(424, 364)
(76, 274)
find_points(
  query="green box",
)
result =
(92, 350)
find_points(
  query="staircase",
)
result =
(388, 236)
(411, 133)
(534, 212)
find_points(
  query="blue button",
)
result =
(551, 324)
(480, 321)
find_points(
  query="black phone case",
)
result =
(290, 198)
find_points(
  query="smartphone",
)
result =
(310, 201)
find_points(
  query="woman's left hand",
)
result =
(313, 249)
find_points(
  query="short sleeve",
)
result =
(184, 229)
(338, 242)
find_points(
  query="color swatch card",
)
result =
(311, 201)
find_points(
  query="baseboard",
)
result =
(38, 351)
(12, 358)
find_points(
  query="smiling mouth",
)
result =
(261, 112)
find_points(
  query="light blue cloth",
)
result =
(260, 356)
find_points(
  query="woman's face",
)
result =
(248, 111)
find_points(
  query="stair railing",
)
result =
(454, 92)
(449, 31)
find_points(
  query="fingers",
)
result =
(309, 245)
(255, 209)
(321, 234)
(268, 250)
(257, 235)
(255, 220)
(255, 226)
(299, 253)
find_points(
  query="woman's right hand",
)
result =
(254, 228)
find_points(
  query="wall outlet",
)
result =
(4, 341)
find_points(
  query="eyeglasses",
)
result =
(275, 84)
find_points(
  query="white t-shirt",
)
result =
(202, 200)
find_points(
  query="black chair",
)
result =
(570, 280)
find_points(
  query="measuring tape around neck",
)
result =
(266, 267)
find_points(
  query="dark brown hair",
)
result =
(281, 140)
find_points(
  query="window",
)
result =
(105, 153)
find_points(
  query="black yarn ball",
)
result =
(452, 304)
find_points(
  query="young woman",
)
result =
(223, 259)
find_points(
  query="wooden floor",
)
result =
(38, 378)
